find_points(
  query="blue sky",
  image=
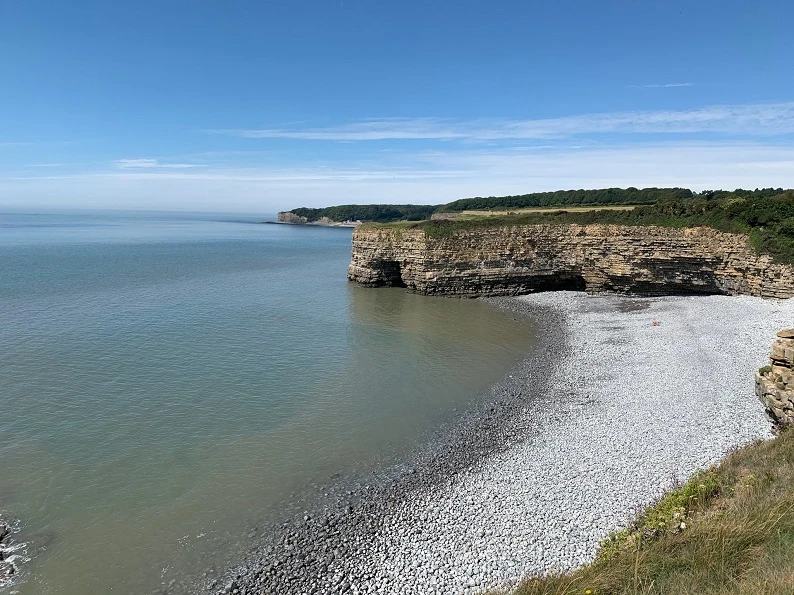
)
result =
(258, 106)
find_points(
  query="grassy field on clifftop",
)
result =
(767, 220)
(729, 530)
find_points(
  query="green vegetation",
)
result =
(668, 514)
(377, 213)
(767, 216)
(764, 370)
(563, 198)
(492, 213)
(729, 530)
(560, 198)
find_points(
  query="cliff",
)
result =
(518, 259)
(774, 384)
(290, 217)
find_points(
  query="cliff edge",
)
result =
(519, 259)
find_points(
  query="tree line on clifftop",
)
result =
(384, 213)
(766, 215)
(568, 198)
(375, 213)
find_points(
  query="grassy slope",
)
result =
(738, 535)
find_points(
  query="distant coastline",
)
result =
(290, 218)
(348, 224)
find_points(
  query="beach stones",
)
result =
(551, 462)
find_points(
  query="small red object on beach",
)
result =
(656, 323)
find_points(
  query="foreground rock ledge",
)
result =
(521, 259)
(774, 384)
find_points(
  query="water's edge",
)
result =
(318, 545)
(13, 552)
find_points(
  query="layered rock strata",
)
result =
(289, 217)
(774, 384)
(523, 259)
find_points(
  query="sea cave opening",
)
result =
(558, 282)
(392, 273)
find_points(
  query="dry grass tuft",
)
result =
(737, 535)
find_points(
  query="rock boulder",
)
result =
(774, 384)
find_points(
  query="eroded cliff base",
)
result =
(522, 259)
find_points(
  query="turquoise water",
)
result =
(168, 382)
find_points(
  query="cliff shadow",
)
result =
(558, 282)
(391, 273)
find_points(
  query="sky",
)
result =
(261, 106)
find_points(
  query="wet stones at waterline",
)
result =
(7, 569)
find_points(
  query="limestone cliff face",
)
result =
(774, 384)
(528, 258)
(288, 217)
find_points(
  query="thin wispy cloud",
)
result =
(253, 175)
(660, 86)
(755, 119)
(151, 164)
(427, 176)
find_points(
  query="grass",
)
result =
(729, 530)
(581, 209)
(448, 228)
(768, 221)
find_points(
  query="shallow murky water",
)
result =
(169, 382)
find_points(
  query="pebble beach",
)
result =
(627, 398)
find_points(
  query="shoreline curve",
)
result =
(572, 444)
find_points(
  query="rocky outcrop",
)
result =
(774, 384)
(520, 259)
(7, 568)
(290, 217)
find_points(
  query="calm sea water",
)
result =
(168, 382)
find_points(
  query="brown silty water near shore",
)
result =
(164, 397)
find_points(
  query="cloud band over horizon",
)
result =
(731, 146)
(755, 119)
(428, 177)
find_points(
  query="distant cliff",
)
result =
(518, 259)
(357, 213)
(290, 217)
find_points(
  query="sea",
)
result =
(173, 383)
